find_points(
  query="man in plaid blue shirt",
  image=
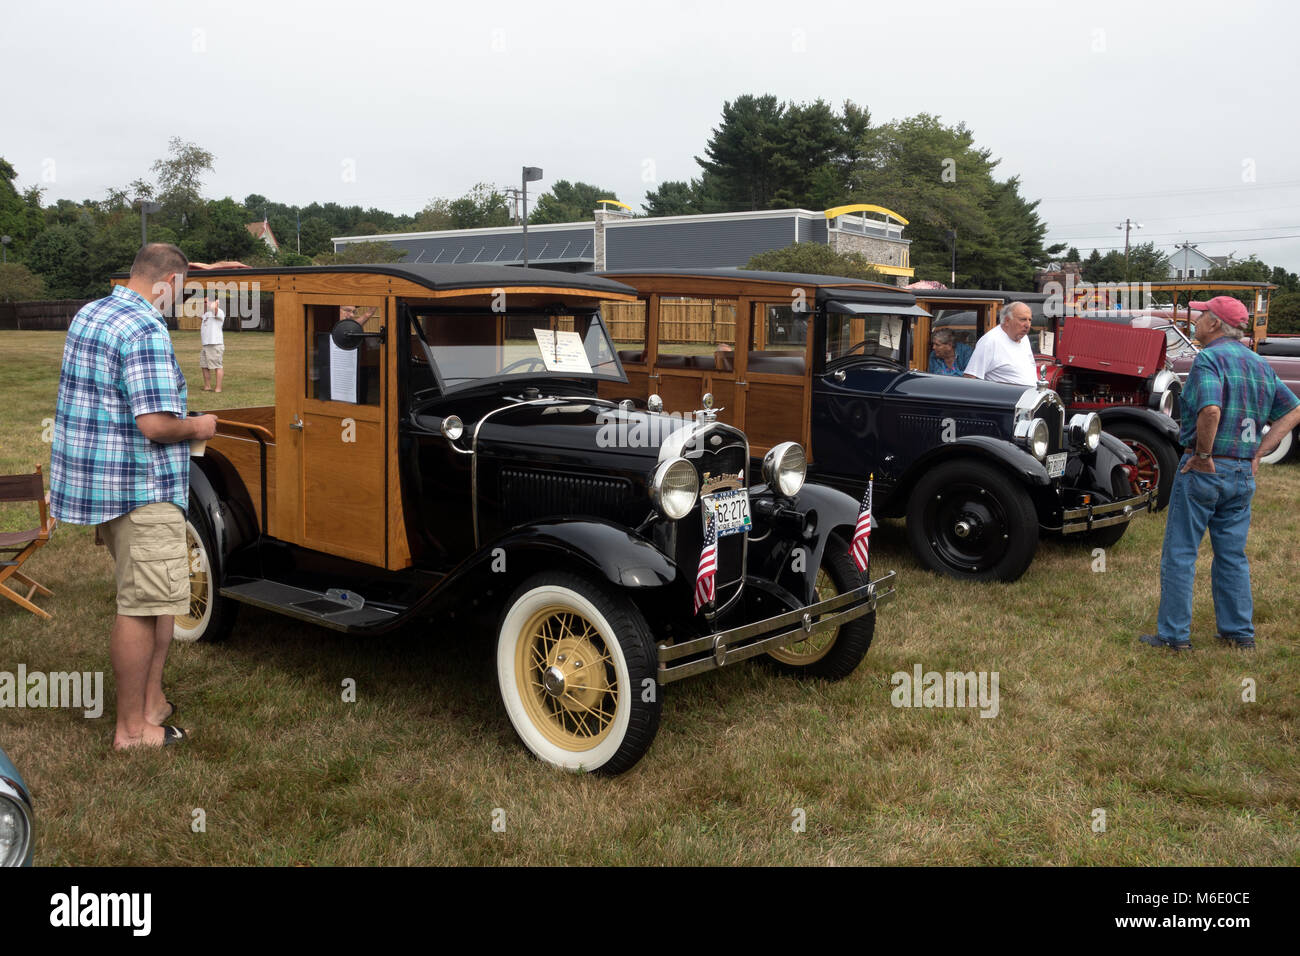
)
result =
(120, 461)
(1230, 395)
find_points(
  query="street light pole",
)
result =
(146, 208)
(4, 244)
(952, 241)
(531, 174)
(1126, 225)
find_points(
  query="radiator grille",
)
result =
(530, 495)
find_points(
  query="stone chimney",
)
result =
(603, 215)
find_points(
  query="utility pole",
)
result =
(146, 208)
(1127, 225)
(531, 175)
(1185, 246)
(4, 244)
(952, 242)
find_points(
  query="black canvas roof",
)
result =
(838, 287)
(441, 277)
(975, 295)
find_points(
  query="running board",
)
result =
(306, 605)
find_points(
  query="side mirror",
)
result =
(347, 334)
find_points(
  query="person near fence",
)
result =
(120, 461)
(212, 344)
(1230, 396)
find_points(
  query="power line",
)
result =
(1175, 192)
(1190, 215)
(1206, 242)
(1164, 235)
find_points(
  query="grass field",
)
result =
(414, 771)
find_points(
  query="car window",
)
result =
(878, 336)
(697, 333)
(339, 375)
(627, 326)
(778, 338)
(465, 348)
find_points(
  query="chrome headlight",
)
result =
(15, 826)
(784, 468)
(1167, 402)
(674, 488)
(1085, 430)
(1033, 436)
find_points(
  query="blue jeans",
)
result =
(1221, 503)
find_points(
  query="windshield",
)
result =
(879, 336)
(466, 348)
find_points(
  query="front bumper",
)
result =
(749, 640)
(1090, 517)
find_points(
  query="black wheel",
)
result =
(968, 520)
(1157, 459)
(576, 665)
(837, 653)
(211, 616)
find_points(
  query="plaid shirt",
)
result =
(1247, 391)
(117, 363)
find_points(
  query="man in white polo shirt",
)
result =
(1003, 354)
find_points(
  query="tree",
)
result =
(361, 253)
(19, 284)
(679, 198)
(1072, 255)
(482, 206)
(180, 181)
(1284, 313)
(814, 258)
(568, 202)
(20, 213)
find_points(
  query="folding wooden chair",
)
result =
(17, 546)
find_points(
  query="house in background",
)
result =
(614, 239)
(1188, 262)
(262, 230)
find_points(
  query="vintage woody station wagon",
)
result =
(437, 442)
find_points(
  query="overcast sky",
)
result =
(1181, 116)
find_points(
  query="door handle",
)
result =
(296, 424)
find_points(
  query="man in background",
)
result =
(121, 461)
(1003, 354)
(1230, 395)
(212, 343)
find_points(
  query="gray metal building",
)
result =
(617, 240)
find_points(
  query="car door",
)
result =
(332, 478)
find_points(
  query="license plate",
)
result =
(1056, 464)
(730, 510)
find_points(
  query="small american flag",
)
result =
(860, 548)
(708, 566)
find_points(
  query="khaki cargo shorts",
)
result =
(210, 356)
(152, 561)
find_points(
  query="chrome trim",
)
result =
(1024, 435)
(772, 462)
(19, 797)
(656, 487)
(750, 640)
(1091, 517)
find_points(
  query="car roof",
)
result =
(440, 277)
(827, 287)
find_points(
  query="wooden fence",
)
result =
(684, 322)
(55, 315)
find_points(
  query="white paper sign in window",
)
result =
(562, 351)
(891, 332)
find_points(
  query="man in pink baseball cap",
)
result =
(1231, 394)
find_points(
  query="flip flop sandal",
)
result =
(173, 735)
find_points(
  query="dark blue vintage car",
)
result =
(978, 469)
(438, 453)
(16, 816)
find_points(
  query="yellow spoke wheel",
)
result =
(566, 676)
(200, 583)
(815, 646)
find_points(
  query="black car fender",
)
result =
(1162, 424)
(791, 559)
(600, 548)
(204, 497)
(1009, 458)
(1099, 466)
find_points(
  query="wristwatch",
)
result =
(1203, 455)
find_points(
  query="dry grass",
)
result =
(289, 774)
